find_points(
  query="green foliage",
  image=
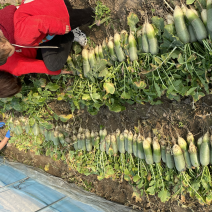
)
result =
(3, 5)
(190, 1)
(102, 14)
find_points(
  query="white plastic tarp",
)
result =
(23, 189)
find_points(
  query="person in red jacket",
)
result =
(37, 22)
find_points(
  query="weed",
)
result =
(102, 14)
(181, 124)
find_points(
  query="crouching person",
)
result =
(4, 141)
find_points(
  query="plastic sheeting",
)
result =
(27, 189)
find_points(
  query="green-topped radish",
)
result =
(107, 142)
(74, 138)
(118, 132)
(92, 58)
(110, 45)
(61, 138)
(135, 145)
(129, 143)
(80, 130)
(192, 34)
(183, 145)
(88, 140)
(163, 150)
(83, 142)
(169, 158)
(197, 24)
(204, 17)
(96, 142)
(50, 135)
(152, 40)
(79, 145)
(139, 39)
(86, 65)
(101, 55)
(103, 134)
(126, 139)
(194, 155)
(96, 50)
(148, 152)
(145, 43)
(209, 15)
(199, 143)
(149, 138)
(132, 48)
(211, 149)
(114, 144)
(36, 129)
(180, 26)
(55, 139)
(105, 48)
(118, 49)
(92, 137)
(205, 150)
(140, 147)
(122, 144)
(156, 150)
(178, 158)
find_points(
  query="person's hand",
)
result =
(67, 29)
(64, 71)
(8, 134)
(2, 124)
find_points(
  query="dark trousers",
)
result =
(55, 59)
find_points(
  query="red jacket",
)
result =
(23, 62)
(34, 20)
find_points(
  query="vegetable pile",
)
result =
(150, 160)
(149, 61)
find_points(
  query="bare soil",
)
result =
(196, 117)
(120, 9)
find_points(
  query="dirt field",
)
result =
(181, 114)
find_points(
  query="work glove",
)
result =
(8, 134)
(2, 124)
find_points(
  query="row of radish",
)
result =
(56, 135)
(121, 46)
(190, 27)
(181, 155)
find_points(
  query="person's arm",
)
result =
(5, 140)
(19, 65)
(30, 28)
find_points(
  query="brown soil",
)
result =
(183, 115)
(180, 114)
